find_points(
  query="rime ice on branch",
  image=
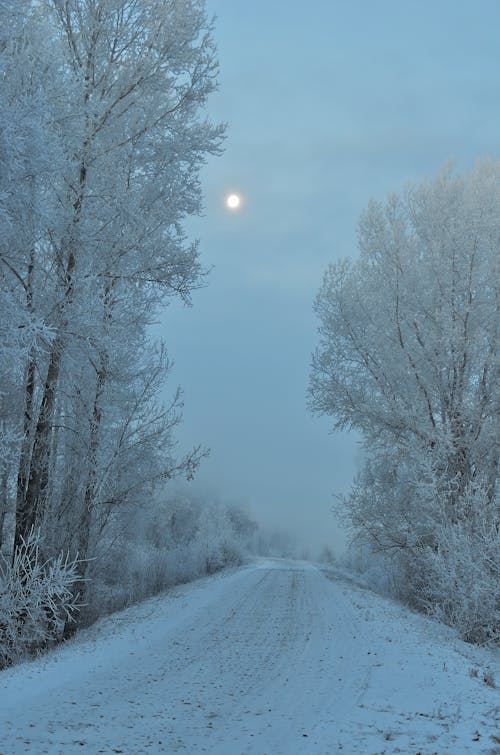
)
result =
(408, 355)
(102, 137)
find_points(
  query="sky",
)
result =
(328, 104)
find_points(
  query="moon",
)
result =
(233, 201)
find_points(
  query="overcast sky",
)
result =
(329, 103)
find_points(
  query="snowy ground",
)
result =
(273, 658)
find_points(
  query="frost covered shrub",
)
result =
(381, 572)
(461, 579)
(36, 599)
(176, 541)
(326, 556)
(384, 577)
(219, 544)
(455, 578)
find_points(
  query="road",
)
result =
(273, 658)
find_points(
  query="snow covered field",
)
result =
(273, 658)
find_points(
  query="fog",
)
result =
(323, 113)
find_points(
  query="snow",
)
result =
(274, 657)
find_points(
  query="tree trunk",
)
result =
(4, 503)
(32, 502)
(34, 498)
(85, 521)
(24, 460)
(29, 395)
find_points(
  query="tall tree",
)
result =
(30, 155)
(120, 87)
(409, 356)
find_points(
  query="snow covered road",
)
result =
(272, 658)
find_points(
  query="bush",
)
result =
(455, 578)
(36, 600)
(461, 578)
(174, 542)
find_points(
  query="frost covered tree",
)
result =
(135, 76)
(96, 180)
(408, 356)
(29, 158)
